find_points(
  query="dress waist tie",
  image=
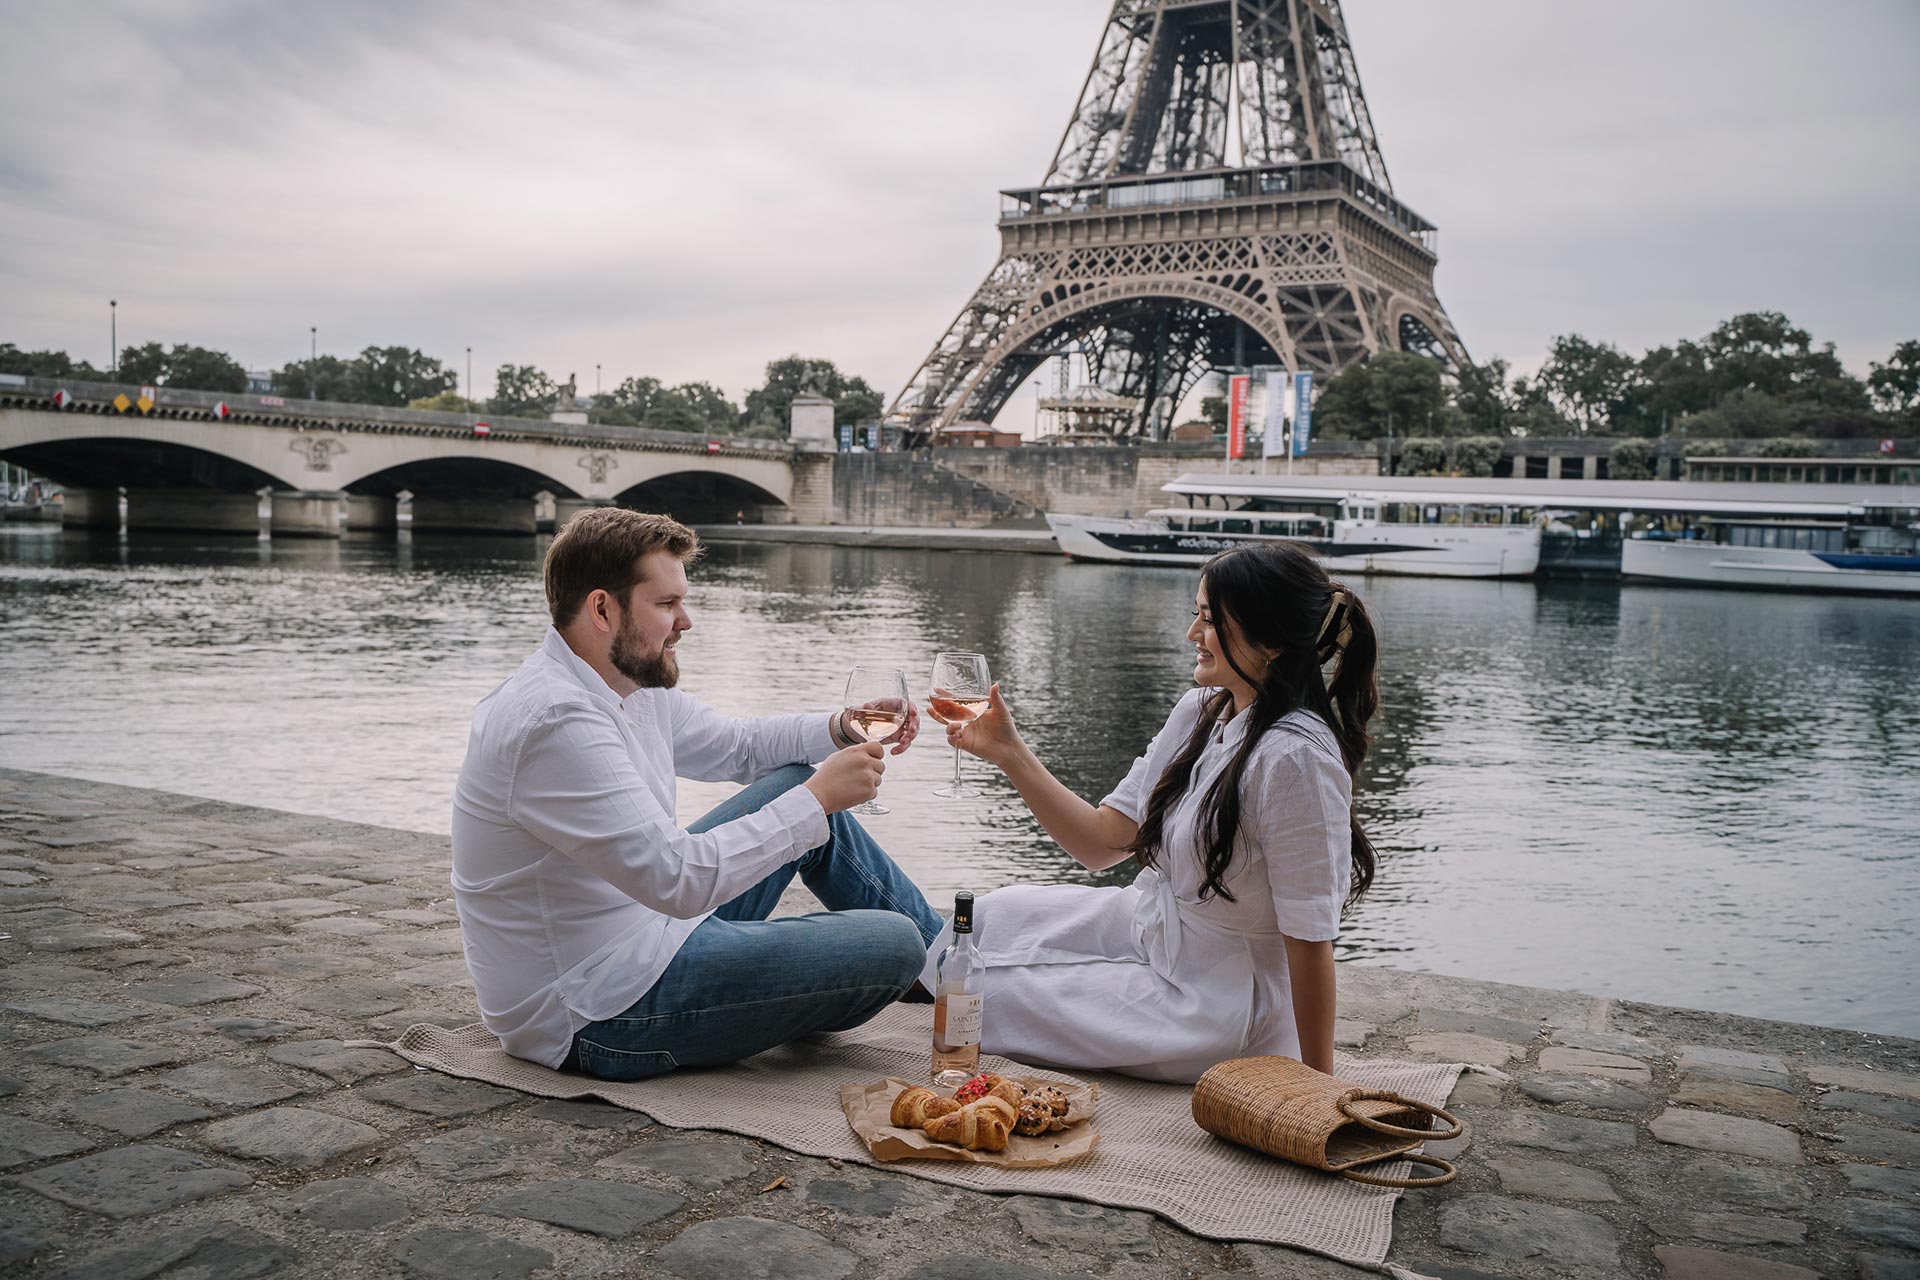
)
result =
(1159, 915)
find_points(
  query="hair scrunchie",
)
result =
(1336, 629)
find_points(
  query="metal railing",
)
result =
(1133, 192)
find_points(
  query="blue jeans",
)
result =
(742, 983)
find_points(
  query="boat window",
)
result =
(1203, 525)
(1236, 526)
(1370, 512)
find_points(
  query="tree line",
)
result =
(399, 377)
(1754, 376)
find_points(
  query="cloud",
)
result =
(690, 189)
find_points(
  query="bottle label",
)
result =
(963, 1020)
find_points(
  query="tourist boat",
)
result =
(1877, 552)
(1365, 534)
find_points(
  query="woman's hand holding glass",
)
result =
(990, 736)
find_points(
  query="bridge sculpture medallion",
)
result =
(319, 451)
(597, 465)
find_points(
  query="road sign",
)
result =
(62, 398)
(482, 429)
(272, 400)
(1886, 446)
(220, 410)
(121, 402)
(713, 446)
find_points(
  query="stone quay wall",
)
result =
(978, 488)
(179, 976)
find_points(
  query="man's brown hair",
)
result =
(601, 550)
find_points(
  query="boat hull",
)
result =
(1717, 565)
(1428, 551)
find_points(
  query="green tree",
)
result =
(397, 376)
(1674, 382)
(1591, 384)
(1483, 398)
(628, 404)
(1423, 456)
(1632, 459)
(520, 390)
(1213, 412)
(1475, 455)
(46, 364)
(322, 378)
(1392, 389)
(446, 402)
(1895, 385)
(768, 405)
(185, 366)
(704, 405)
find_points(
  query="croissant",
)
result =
(1008, 1092)
(979, 1126)
(918, 1105)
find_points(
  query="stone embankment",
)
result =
(176, 1100)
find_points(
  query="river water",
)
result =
(1691, 797)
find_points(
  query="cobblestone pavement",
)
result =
(176, 1100)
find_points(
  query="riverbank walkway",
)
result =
(900, 537)
(178, 976)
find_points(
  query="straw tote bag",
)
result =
(1287, 1109)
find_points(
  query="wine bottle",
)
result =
(957, 1002)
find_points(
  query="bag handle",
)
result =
(1446, 1174)
(1394, 1130)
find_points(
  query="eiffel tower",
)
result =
(1218, 200)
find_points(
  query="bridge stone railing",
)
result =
(17, 391)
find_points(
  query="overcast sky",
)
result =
(689, 188)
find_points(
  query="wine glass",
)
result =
(960, 694)
(876, 708)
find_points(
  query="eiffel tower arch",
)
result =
(1218, 200)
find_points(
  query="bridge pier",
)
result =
(565, 509)
(455, 513)
(194, 511)
(91, 509)
(307, 513)
(373, 512)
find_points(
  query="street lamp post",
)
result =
(596, 381)
(113, 336)
(313, 359)
(469, 394)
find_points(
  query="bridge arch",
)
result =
(93, 451)
(1075, 313)
(701, 496)
(459, 473)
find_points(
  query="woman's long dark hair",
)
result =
(1274, 596)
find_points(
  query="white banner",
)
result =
(1279, 387)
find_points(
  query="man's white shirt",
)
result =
(574, 882)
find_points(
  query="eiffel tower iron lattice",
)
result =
(1218, 200)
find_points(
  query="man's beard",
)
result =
(650, 671)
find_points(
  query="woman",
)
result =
(1241, 812)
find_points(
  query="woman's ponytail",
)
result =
(1354, 695)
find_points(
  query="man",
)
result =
(600, 936)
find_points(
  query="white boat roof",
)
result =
(1256, 515)
(1701, 496)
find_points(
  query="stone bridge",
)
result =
(199, 460)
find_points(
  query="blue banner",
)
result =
(1302, 411)
(873, 436)
(846, 437)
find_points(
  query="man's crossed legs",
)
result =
(742, 983)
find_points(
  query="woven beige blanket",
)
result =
(1151, 1155)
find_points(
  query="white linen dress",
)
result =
(1149, 980)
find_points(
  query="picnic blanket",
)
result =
(1151, 1154)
